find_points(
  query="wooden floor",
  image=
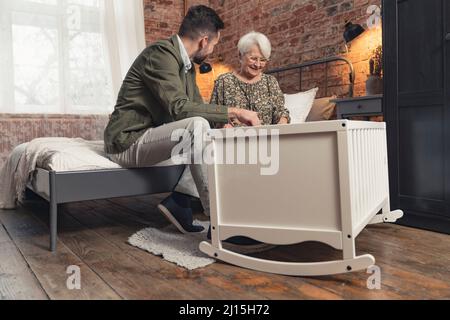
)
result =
(415, 264)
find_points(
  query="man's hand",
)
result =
(247, 117)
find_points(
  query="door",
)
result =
(416, 107)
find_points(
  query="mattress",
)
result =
(73, 154)
(65, 154)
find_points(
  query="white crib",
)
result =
(332, 181)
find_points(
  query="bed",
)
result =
(64, 170)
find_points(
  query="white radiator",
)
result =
(286, 184)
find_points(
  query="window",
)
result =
(54, 57)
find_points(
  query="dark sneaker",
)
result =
(196, 205)
(179, 216)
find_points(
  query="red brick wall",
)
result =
(300, 31)
(16, 129)
(163, 17)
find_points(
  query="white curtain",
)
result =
(66, 56)
(126, 35)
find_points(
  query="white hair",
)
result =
(252, 38)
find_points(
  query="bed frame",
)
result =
(326, 61)
(73, 186)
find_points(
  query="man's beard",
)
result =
(199, 59)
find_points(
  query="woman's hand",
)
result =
(283, 120)
(245, 116)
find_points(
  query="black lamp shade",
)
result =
(352, 31)
(205, 67)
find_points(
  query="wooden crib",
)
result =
(331, 182)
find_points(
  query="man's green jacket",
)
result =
(156, 90)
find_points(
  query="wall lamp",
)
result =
(352, 31)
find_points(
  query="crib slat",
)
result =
(361, 170)
(353, 188)
(365, 177)
(379, 165)
(372, 159)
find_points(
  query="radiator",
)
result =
(286, 184)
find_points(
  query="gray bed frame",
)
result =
(73, 186)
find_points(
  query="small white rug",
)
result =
(181, 249)
(174, 246)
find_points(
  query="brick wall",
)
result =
(16, 129)
(300, 31)
(163, 17)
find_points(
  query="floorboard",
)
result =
(32, 239)
(17, 281)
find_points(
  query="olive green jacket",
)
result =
(156, 90)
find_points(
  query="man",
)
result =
(160, 95)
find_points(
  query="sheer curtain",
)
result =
(66, 56)
(125, 34)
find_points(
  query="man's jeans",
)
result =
(156, 145)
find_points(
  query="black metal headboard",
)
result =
(325, 61)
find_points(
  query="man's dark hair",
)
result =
(199, 20)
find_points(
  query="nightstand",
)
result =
(366, 106)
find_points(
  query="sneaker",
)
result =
(196, 205)
(179, 216)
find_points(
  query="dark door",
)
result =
(416, 106)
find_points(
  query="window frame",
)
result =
(59, 11)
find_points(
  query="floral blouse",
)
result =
(264, 96)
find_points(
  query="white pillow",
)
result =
(300, 104)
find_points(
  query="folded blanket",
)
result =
(7, 181)
(58, 154)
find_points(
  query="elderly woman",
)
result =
(249, 87)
